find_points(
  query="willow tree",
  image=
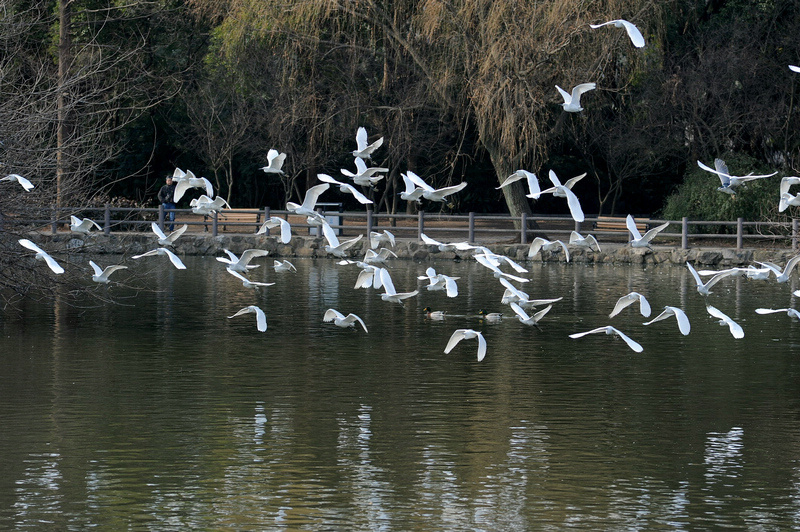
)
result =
(486, 66)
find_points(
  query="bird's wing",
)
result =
(330, 235)
(325, 178)
(536, 246)
(261, 318)
(352, 317)
(790, 265)
(666, 313)
(450, 286)
(365, 279)
(593, 331)
(456, 337)
(417, 180)
(157, 230)
(633, 32)
(683, 320)
(361, 139)
(173, 236)
(650, 235)
(250, 254)
(173, 258)
(564, 94)
(362, 199)
(180, 189)
(624, 302)
(644, 306)
(725, 178)
(721, 167)
(446, 191)
(571, 181)
(96, 268)
(554, 178)
(74, 221)
(539, 315)
(149, 254)
(628, 340)
(594, 241)
(513, 178)
(332, 314)
(595, 26)
(30, 245)
(580, 89)
(519, 311)
(208, 186)
(238, 275)
(787, 182)
(481, 347)
(428, 240)
(108, 270)
(694, 273)
(794, 68)
(631, 224)
(574, 206)
(312, 195)
(386, 282)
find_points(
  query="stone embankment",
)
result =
(307, 246)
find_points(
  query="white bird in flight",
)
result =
(247, 283)
(680, 316)
(27, 185)
(309, 205)
(344, 187)
(189, 180)
(735, 328)
(376, 238)
(609, 330)
(730, 182)
(782, 275)
(378, 257)
(274, 162)
(272, 223)
(283, 266)
(467, 334)
(565, 191)
(335, 247)
(588, 241)
(76, 225)
(163, 239)
(794, 68)
(364, 150)
(242, 264)
(540, 243)
(433, 194)
(533, 182)
(704, 288)
(261, 318)
(340, 320)
(364, 176)
(440, 281)
(792, 313)
(523, 316)
(633, 32)
(637, 239)
(173, 258)
(629, 299)
(205, 206)
(42, 255)
(572, 102)
(101, 274)
(389, 292)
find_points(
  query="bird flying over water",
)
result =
(163, 239)
(340, 320)
(173, 258)
(261, 318)
(242, 264)
(629, 299)
(540, 243)
(101, 274)
(612, 331)
(680, 315)
(389, 292)
(467, 334)
(76, 225)
(637, 239)
(272, 223)
(735, 328)
(42, 255)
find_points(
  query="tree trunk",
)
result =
(64, 58)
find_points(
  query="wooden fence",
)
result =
(471, 227)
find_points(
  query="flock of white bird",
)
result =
(375, 275)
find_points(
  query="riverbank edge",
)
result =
(314, 247)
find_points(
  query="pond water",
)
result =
(158, 412)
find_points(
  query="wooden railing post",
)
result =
(523, 231)
(739, 232)
(471, 238)
(214, 222)
(794, 233)
(161, 216)
(369, 222)
(577, 226)
(685, 232)
(54, 224)
(266, 217)
(107, 220)
(420, 224)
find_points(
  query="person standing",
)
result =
(167, 198)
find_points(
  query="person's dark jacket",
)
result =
(167, 193)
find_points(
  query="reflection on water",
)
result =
(166, 415)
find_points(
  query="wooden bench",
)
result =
(239, 218)
(614, 224)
